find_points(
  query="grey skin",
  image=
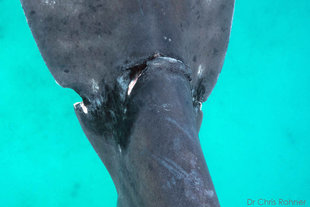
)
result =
(142, 68)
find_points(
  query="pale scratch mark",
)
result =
(176, 166)
(173, 122)
(171, 166)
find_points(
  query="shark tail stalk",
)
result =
(152, 150)
(143, 69)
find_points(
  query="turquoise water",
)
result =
(255, 132)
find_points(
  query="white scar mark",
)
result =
(173, 122)
(172, 60)
(132, 84)
(199, 70)
(84, 108)
(94, 85)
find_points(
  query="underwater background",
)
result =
(255, 133)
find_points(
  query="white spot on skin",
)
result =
(49, 2)
(119, 149)
(166, 38)
(209, 193)
(94, 86)
(166, 107)
(193, 163)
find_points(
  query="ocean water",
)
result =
(255, 133)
